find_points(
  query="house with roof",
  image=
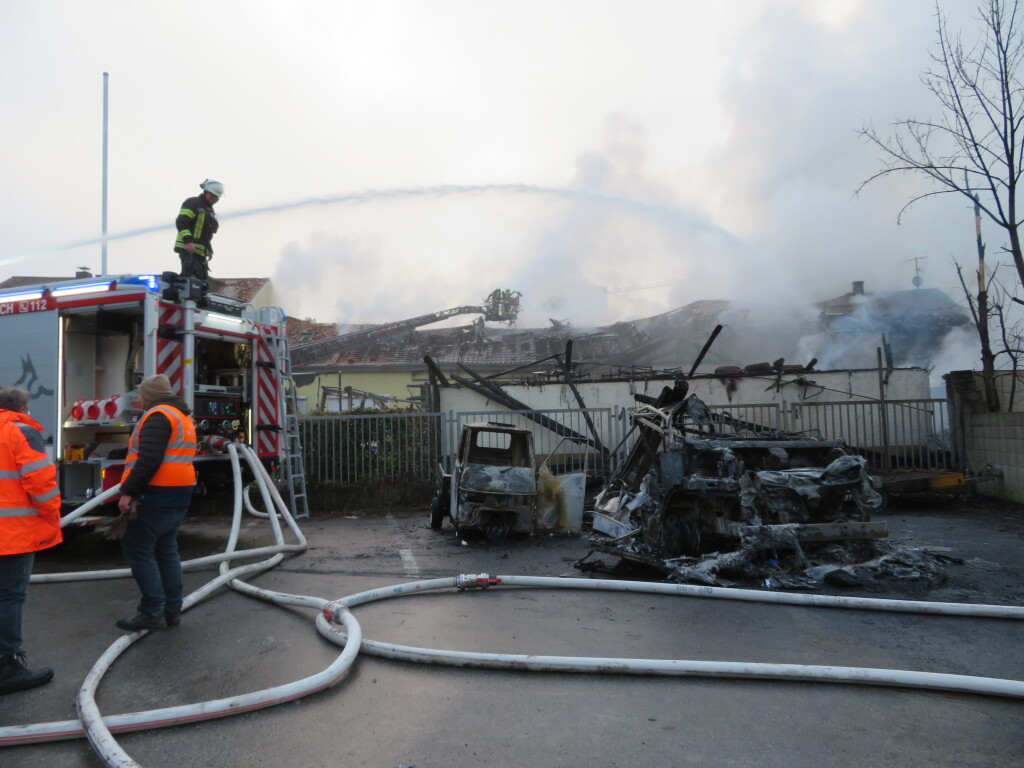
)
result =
(257, 291)
(909, 326)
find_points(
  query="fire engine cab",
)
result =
(82, 347)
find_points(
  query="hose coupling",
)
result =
(475, 581)
(333, 611)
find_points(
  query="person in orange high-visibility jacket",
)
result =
(156, 489)
(29, 521)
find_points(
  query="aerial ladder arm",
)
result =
(501, 306)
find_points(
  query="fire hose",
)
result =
(335, 622)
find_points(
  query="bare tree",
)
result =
(980, 314)
(1012, 337)
(975, 147)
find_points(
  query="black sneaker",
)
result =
(16, 676)
(172, 616)
(142, 621)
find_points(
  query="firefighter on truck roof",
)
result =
(196, 225)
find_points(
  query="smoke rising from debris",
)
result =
(615, 244)
(641, 189)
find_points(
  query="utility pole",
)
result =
(103, 226)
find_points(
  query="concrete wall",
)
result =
(265, 296)
(394, 383)
(817, 387)
(997, 439)
(1005, 384)
(822, 387)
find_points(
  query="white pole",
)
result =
(106, 102)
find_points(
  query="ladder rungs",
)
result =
(292, 459)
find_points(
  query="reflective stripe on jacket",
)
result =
(29, 497)
(176, 469)
(196, 224)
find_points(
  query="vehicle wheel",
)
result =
(436, 513)
(497, 527)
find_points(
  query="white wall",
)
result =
(996, 441)
(817, 387)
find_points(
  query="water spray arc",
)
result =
(670, 215)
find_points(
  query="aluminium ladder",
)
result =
(292, 464)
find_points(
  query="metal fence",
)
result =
(349, 449)
(757, 418)
(891, 434)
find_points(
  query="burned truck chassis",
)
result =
(694, 484)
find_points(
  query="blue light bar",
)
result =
(79, 288)
(22, 295)
(151, 282)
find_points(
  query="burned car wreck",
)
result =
(701, 493)
(496, 486)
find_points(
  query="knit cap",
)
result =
(155, 388)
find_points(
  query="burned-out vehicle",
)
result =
(496, 487)
(695, 482)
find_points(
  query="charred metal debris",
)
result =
(706, 498)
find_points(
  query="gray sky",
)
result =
(609, 159)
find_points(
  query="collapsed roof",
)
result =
(912, 324)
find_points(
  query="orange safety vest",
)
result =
(29, 495)
(176, 468)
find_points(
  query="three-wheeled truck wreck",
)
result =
(495, 486)
(701, 492)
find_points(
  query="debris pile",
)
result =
(849, 565)
(705, 498)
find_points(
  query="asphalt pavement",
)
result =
(389, 713)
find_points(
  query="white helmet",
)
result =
(213, 187)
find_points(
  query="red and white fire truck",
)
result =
(82, 347)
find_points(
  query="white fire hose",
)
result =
(685, 668)
(99, 729)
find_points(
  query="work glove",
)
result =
(117, 528)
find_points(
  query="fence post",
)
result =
(883, 416)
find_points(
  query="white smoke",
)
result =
(960, 351)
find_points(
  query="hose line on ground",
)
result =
(685, 668)
(99, 729)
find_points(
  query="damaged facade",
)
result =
(909, 324)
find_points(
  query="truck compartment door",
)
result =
(31, 360)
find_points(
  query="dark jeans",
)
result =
(150, 546)
(15, 571)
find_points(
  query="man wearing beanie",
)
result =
(156, 489)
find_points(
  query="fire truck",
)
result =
(82, 347)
